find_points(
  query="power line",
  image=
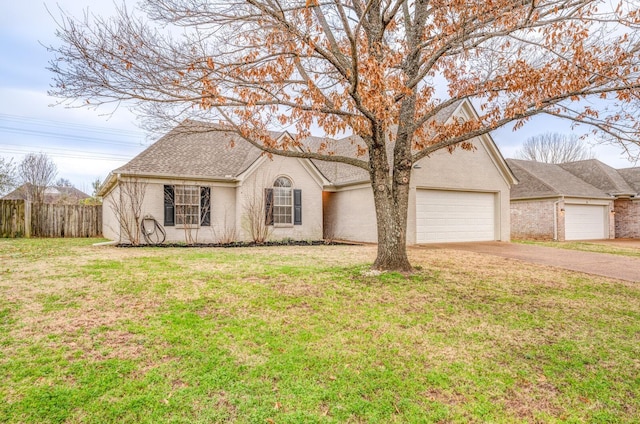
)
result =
(67, 125)
(62, 149)
(49, 134)
(91, 156)
(60, 130)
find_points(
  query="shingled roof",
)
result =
(538, 179)
(601, 176)
(195, 149)
(632, 177)
(53, 194)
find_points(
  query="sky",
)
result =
(87, 144)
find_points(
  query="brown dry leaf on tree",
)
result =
(383, 70)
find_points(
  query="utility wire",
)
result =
(50, 134)
(116, 158)
(67, 125)
(63, 150)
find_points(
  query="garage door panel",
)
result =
(449, 216)
(585, 222)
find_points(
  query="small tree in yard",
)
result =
(36, 172)
(8, 177)
(554, 148)
(95, 188)
(127, 208)
(383, 70)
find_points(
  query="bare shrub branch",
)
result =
(254, 220)
(127, 208)
(224, 232)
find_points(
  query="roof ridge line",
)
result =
(553, 189)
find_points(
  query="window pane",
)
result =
(282, 201)
(282, 182)
(187, 205)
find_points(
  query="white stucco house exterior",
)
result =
(205, 183)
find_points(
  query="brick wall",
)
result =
(533, 220)
(627, 218)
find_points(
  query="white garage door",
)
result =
(444, 216)
(584, 222)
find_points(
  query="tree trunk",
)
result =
(391, 197)
(392, 232)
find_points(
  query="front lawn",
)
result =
(306, 334)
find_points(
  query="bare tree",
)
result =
(63, 182)
(127, 208)
(382, 70)
(554, 148)
(8, 177)
(256, 217)
(36, 172)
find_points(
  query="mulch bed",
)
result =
(248, 244)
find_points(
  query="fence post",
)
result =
(27, 219)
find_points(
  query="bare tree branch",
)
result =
(554, 148)
(383, 70)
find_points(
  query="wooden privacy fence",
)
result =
(13, 218)
(19, 218)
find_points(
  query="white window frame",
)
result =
(187, 206)
(282, 202)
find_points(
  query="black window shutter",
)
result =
(268, 206)
(205, 206)
(297, 207)
(169, 206)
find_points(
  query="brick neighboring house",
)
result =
(574, 201)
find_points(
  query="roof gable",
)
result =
(538, 179)
(632, 177)
(195, 149)
(341, 174)
(599, 175)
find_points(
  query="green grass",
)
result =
(586, 247)
(291, 335)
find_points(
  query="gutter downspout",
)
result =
(555, 218)
(118, 180)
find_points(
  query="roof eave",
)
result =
(573, 196)
(136, 174)
(107, 184)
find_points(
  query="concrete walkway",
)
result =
(603, 264)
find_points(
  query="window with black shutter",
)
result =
(169, 206)
(297, 207)
(205, 206)
(268, 206)
(187, 205)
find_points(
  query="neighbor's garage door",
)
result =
(584, 222)
(443, 216)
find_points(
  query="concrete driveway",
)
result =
(603, 264)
